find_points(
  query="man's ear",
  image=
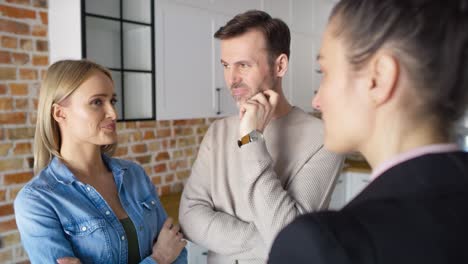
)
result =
(384, 78)
(281, 65)
(58, 113)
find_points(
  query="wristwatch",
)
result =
(254, 135)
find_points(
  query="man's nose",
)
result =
(316, 100)
(234, 76)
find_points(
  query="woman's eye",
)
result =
(114, 101)
(97, 102)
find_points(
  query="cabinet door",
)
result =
(226, 105)
(64, 29)
(185, 61)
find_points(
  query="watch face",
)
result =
(253, 136)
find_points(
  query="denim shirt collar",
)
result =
(63, 175)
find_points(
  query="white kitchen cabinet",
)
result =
(307, 20)
(196, 254)
(349, 184)
(189, 75)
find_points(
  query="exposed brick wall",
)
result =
(166, 149)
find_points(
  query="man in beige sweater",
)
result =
(244, 188)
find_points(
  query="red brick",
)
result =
(15, 12)
(7, 225)
(179, 122)
(7, 73)
(43, 74)
(15, 178)
(5, 148)
(2, 133)
(39, 30)
(164, 123)
(9, 42)
(121, 151)
(156, 180)
(163, 133)
(20, 2)
(21, 133)
(28, 74)
(169, 178)
(143, 159)
(136, 136)
(13, 193)
(18, 88)
(154, 146)
(6, 210)
(130, 125)
(20, 58)
(186, 131)
(140, 148)
(6, 256)
(162, 156)
(147, 124)
(44, 18)
(180, 164)
(201, 130)
(160, 168)
(11, 164)
(12, 118)
(5, 57)
(149, 135)
(3, 89)
(22, 148)
(40, 3)
(14, 27)
(2, 195)
(26, 44)
(6, 104)
(199, 121)
(42, 45)
(40, 60)
(21, 104)
(182, 175)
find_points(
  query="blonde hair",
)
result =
(61, 80)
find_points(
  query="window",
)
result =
(119, 34)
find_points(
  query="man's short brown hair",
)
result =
(275, 31)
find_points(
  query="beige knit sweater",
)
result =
(236, 200)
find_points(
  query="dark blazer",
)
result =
(415, 212)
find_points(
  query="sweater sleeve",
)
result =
(274, 206)
(201, 222)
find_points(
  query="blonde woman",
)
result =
(83, 204)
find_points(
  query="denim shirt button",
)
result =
(107, 212)
(87, 188)
(83, 228)
(123, 237)
(153, 202)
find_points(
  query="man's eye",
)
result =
(319, 71)
(244, 65)
(225, 66)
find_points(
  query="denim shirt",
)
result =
(59, 216)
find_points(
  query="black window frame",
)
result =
(123, 70)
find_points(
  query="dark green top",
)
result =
(132, 240)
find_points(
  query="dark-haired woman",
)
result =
(395, 81)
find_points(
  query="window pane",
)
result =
(137, 47)
(103, 41)
(137, 10)
(138, 95)
(103, 7)
(117, 77)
